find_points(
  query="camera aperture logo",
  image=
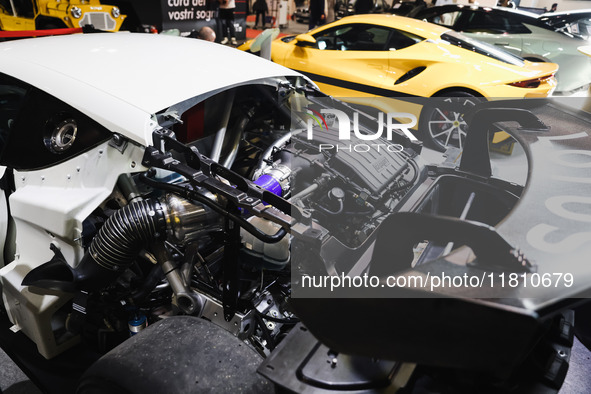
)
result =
(317, 117)
(327, 117)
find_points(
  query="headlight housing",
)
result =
(115, 12)
(76, 12)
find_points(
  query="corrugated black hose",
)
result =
(113, 249)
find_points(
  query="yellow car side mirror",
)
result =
(305, 39)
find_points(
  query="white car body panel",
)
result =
(118, 79)
(71, 191)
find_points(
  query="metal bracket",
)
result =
(201, 171)
(231, 277)
(476, 157)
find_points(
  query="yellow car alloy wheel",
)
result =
(442, 120)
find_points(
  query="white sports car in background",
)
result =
(575, 22)
(181, 193)
(521, 33)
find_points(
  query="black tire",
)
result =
(177, 355)
(442, 123)
(536, 59)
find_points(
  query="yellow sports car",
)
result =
(393, 56)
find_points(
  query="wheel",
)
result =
(177, 355)
(442, 123)
(536, 58)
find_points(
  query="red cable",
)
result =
(39, 33)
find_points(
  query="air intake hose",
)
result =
(124, 234)
(113, 249)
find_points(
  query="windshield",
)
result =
(462, 41)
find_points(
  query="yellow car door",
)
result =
(15, 23)
(408, 57)
(349, 60)
(21, 17)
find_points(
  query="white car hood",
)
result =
(121, 79)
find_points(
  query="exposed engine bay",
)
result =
(183, 237)
(158, 246)
(237, 191)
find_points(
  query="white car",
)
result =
(166, 200)
(521, 33)
(75, 132)
(575, 22)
